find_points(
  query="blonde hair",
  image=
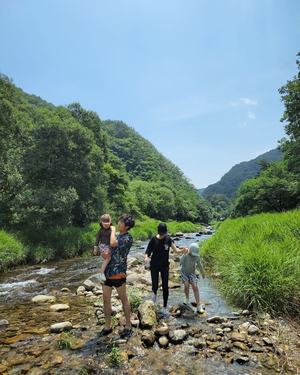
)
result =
(105, 218)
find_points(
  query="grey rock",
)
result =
(216, 319)
(148, 338)
(147, 314)
(178, 336)
(60, 327)
(89, 285)
(43, 299)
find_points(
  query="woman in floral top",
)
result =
(115, 273)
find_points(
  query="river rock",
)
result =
(257, 348)
(242, 359)
(132, 262)
(216, 319)
(240, 345)
(88, 285)
(43, 299)
(132, 278)
(60, 327)
(4, 322)
(238, 336)
(65, 290)
(80, 290)
(267, 341)
(245, 312)
(252, 330)
(179, 234)
(59, 307)
(178, 336)
(162, 330)
(148, 338)
(198, 343)
(147, 314)
(163, 341)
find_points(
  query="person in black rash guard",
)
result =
(157, 253)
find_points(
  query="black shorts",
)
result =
(115, 282)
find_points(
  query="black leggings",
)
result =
(164, 272)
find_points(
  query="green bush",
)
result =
(12, 252)
(258, 258)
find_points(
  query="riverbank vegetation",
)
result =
(61, 167)
(72, 241)
(258, 258)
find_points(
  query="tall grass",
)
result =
(147, 227)
(258, 258)
(12, 251)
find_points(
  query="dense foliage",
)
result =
(258, 259)
(60, 167)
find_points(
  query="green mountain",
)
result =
(62, 166)
(231, 181)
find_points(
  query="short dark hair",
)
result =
(162, 228)
(128, 220)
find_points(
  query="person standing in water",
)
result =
(157, 254)
(188, 263)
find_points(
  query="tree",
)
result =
(290, 95)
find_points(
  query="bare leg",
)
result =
(107, 305)
(126, 306)
(196, 293)
(104, 264)
(186, 290)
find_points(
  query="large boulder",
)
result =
(41, 298)
(147, 314)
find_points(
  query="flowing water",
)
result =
(26, 346)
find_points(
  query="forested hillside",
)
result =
(231, 181)
(62, 166)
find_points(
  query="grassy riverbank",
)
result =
(12, 251)
(258, 258)
(69, 242)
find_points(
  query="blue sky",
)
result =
(197, 78)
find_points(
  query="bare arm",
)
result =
(113, 238)
(176, 250)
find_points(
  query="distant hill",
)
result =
(201, 191)
(231, 181)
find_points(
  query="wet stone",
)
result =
(257, 348)
(178, 336)
(242, 359)
(162, 330)
(240, 345)
(267, 341)
(236, 336)
(65, 290)
(60, 327)
(59, 307)
(216, 319)
(80, 290)
(148, 338)
(88, 285)
(43, 299)
(163, 341)
(252, 330)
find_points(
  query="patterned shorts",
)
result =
(190, 277)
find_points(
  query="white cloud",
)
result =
(243, 101)
(251, 116)
(248, 101)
